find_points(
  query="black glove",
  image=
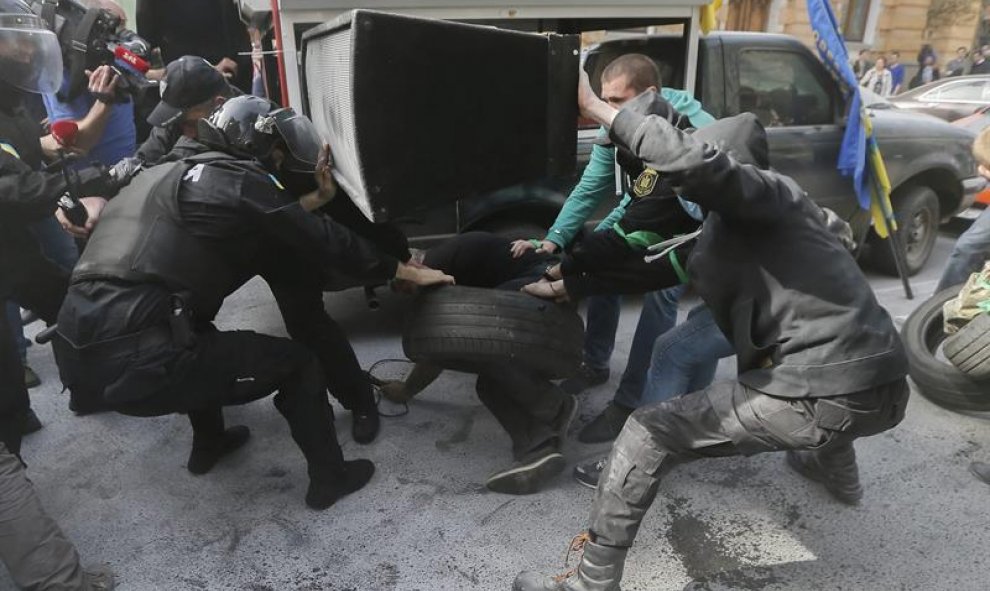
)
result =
(125, 170)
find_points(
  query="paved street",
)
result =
(119, 488)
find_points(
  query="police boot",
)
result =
(834, 467)
(600, 569)
(211, 441)
(326, 485)
(365, 424)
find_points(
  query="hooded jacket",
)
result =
(790, 298)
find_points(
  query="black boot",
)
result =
(211, 441)
(606, 426)
(31, 424)
(325, 487)
(600, 569)
(834, 467)
(365, 425)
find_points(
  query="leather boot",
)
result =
(211, 441)
(600, 569)
(326, 487)
(834, 467)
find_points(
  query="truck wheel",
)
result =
(918, 218)
(463, 328)
(969, 349)
(938, 380)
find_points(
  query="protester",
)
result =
(896, 73)
(980, 63)
(819, 361)
(862, 64)
(878, 79)
(925, 53)
(32, 546)
(624, 78)
(928, 72)
(957, 65)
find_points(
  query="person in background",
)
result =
(896, 73)
(878, 79)
(980, 63)
(927, 73)
(208, 28)
(926, 51)
(957, 65)
(862, 64)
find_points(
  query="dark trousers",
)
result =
(307, 322)
(219, 369)
(727, 419)
(524, 404)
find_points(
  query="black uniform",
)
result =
(26, 195)
(136, 329)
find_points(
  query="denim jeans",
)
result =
(685, 358)
(659, 315)
(968, 254)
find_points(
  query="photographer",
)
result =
(34, 549)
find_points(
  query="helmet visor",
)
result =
(301, 139)
(30, 57)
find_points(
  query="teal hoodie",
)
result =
(598, 180)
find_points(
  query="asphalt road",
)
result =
(120, 490)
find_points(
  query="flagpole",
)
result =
(894, 237)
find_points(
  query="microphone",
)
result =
(65, 131)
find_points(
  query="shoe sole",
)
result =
(528, 479)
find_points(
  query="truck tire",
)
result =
(969, 349)
(463, 328)
(937, 380)
(918, 217)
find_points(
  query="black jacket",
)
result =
(797, 308)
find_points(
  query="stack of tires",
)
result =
(962, 380)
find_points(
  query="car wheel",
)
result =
(465, 328)
(918, 218)
(969, 349)
(937, 379)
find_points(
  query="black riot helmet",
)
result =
(254, 127)
(30, 56)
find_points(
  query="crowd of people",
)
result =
(884, 74)
(229, 186)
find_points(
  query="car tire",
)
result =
(918, 218)
(937, 380)
(969, 349)
(464, 328)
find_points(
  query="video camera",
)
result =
(92, 37)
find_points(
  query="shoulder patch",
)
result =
(10, 150)
(645, 182)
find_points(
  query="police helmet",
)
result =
(30, 56)
(253, 127)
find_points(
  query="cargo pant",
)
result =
(727, 419)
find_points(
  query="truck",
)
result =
(931, 168)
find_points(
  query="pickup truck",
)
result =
(776, 77)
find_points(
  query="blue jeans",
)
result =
(685, 358)
(658, 316)
(968, 254)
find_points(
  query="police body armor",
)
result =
(141, 239)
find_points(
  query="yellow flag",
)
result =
(708, 12)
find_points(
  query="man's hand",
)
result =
(520, 247)
(103, 83)
(590, 105)
(326, 188)
(548, 290)
(94, 207)
(422, 276)
(227, 67)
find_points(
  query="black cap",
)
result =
(189, 81)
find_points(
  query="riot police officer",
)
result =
(35, 551)
(136, 332)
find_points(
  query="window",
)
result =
(854, 22)
(781, 89)
(970, 91)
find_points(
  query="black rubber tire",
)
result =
(969, 349)
(918, 220)
(462, 328)
(938, 380)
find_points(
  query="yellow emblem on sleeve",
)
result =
(645, 182)
(10, 150)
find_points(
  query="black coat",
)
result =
(800, 313)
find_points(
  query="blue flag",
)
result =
(832, 49)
